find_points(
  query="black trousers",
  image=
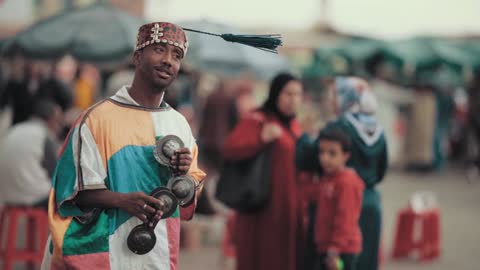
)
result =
(349, 261)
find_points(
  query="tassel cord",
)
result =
(268, 43)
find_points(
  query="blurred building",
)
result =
(134, 7)
(18, 14)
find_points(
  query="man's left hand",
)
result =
(181, 161)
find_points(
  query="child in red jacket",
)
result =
(339, 200)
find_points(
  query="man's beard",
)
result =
(156, 85)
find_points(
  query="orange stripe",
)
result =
(194, 171)
(114, 127)
(186, 213)
(58, 227)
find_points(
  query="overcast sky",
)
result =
(381, 18)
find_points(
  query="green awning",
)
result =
(98, 33)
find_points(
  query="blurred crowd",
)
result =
(425, 126)
(55, 93)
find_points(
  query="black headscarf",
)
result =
(276, 87)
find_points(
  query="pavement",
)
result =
(458, 199)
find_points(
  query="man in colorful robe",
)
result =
(107, 168)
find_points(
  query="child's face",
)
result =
(331, 155)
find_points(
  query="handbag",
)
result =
(245, 185)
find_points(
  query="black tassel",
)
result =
(268, 43)
(264, 42)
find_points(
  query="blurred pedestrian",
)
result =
(28, 157)
(356, 106)
(421, 129)
(218, 119)
(474, 120)
(443, 120)
(337, 197)
(86, 87)
(57, 87)
(118, 79)
(268, 239)
(16, 93)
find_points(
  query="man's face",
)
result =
(159, 64)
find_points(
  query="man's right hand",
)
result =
(138, 204)
(142, 206)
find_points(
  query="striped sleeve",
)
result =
(194, 171)
(80, 167)
(186, 213)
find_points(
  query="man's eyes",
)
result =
(178, 55)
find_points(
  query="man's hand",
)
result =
(142, 206)
(138, 204)
(181, 161)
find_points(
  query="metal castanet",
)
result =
(180, 190)
(165, 148)
(169, 200)
(142, 239)
(183, 187)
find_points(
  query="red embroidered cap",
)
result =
(164, 32)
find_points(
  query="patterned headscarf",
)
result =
(164, 32)
(355, 95)
(358, 104)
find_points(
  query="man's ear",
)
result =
(347, 156)
(136, 58)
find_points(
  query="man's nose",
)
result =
(167, 58)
